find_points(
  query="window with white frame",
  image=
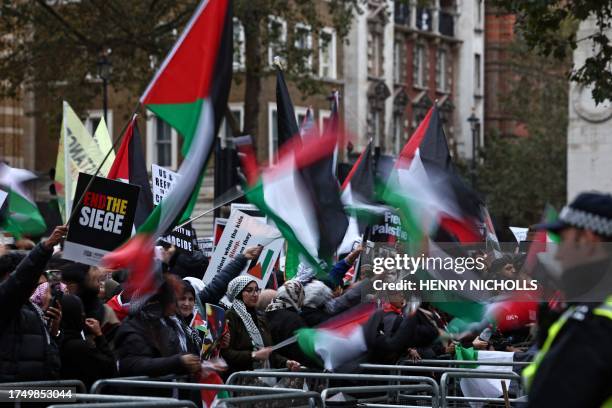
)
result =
(419, 66)
(272, 133)
(238, 57)
(477, 74)
(441, 70)
(300, 115)
(327, 53)
(94, 117)
(478, 13)
(398, 131)
(324, 117)
(303, 43)
(162, 143)
(237, 110)
(375, 51)
(277, 33)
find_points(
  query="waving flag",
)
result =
(189, 92)
(130, 166)
(23, 216)
(301, 198)
(286, 123)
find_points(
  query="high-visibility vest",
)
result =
(604, 310)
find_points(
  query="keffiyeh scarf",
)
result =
(291, 294)
(234, 288)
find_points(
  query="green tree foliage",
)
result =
(52, 46)
(549, 28)
(520, 174)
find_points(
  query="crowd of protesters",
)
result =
(66, 320)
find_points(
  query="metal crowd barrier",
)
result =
(139, 404)
(406, 361)
(380, 388)
(99, 385)
(444, 398)
(311, 396)
(331, 376)
(420, 369)
(78, 384)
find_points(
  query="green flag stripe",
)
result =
(181, 116)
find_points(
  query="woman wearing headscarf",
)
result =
(84, 352)
(283, 315)
(250, 338)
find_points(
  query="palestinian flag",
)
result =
(285, 114)
(189, 92)
(338, 341)
(22, 215)
(425, 174)
(543, 240)
(358, 197)
(130, 166)
(301, 198)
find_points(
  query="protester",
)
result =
(186, 304)
(283, 316)
(28, 351)
(250, 338)
(84, 352)
(154, 342)
(574, 365)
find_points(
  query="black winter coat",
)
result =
(215, 290)
(27, 351)
(283, 324)
(86, 361)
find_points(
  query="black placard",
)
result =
(103, 221)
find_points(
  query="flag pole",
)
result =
(234, 195)
(115, 143)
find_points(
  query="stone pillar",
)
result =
(589, 133)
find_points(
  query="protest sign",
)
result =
(103, 220)
(206, 245)
(520, 233)
(183, 238)
(388, 229)
(243, 231)
(218, 230)
(163, 181)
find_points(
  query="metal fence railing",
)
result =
(392, 400)
(137, 404)
(313, 398)
(99, 385)
(444, 381)
(435, 362)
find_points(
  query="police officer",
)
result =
(574, 365)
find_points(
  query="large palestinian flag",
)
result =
(301, 198)
(189, 92)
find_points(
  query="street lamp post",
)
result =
(475, 127)
(104, 73)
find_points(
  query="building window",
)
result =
(398, 62)
(423, 19)
(327, 53)
(420, 66)
(238, 58)
(277, 31)
(272, 133)
(162, 142)
(303, 43)
(442, 70)
(477, 74)
(300, 115)
(399, 131)
(374, 54)
(94, 117)
(478, 13)
(226, 132)
(402, 12)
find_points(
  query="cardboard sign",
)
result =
(520, 233)
(183, 238)
(388, 229)
(163, 181)
(206, 245)
(248, 209)
(103, 220)
(243, 231)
